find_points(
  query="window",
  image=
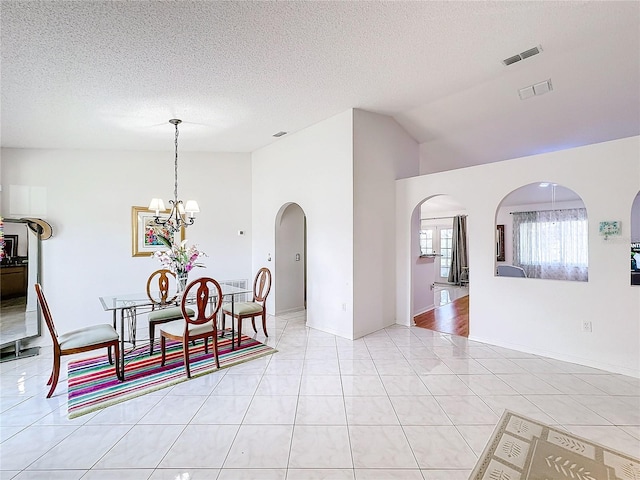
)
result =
(552, 243)
(426, 242)
(446, 248)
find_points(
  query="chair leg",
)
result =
(50, 378)
(253, 324)
(54, 374)
(215, 349)
(224, 320)
(264, 325)
(239, 330)
(109, 355)
(206, 345)
(152, 337)
(163, 346)
(116, 351)
(185, 352)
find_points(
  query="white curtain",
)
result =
(552, 244)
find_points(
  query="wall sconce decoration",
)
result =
(610, 228)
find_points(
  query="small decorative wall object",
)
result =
(610, 228)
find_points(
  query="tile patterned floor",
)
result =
(404, 403)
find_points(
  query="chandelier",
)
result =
(177, 218)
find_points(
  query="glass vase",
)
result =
(182, 279)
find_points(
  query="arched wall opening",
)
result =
(439, 266)
(290, 259)
(542, 231)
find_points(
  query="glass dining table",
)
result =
(128, 306)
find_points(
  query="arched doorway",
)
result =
(440, 296)
(290, 260)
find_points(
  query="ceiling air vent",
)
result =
(521, 56)
(279, 134)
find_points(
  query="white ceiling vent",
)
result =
(536, 89)
(279, 134)
(521, 56)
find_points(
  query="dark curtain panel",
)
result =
(459, 267)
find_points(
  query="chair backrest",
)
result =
(161, 278)
(511, 271)
(47, 315)
(262, 285)
(202, 293)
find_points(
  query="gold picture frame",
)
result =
(143, 230)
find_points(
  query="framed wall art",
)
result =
(10, 245)
(145, 232)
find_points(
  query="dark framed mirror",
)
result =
(20, 270)
(500, 243)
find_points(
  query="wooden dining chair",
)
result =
(255, 308)
(84, 339)
(206, 295)
(163, 309)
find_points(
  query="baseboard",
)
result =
(587, 362)
(290, 310)
(425, 310)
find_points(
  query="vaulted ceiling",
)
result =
(110, 74)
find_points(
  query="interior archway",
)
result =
(440, 298)
(290, 259)
(542, 231)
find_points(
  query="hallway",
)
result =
(451, 314)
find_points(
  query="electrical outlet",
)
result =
(586, 326)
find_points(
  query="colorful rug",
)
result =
(525, 449)
(93, 384)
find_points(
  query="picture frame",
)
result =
(10, 245)
(500, 254)
(144, 229)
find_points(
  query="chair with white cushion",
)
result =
(163, 309)
(255, 308)
(206, 295)
(81, 340)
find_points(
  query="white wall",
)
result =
(89, 195)
(544, 316)
(289, 260)
(314, 169)
(382, 153)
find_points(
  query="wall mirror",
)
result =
(20, 269)
(500, 243)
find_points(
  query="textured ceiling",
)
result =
(110, 74)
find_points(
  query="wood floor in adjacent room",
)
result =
(452, 318)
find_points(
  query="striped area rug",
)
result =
(93, 384)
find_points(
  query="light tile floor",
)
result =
(404, 403)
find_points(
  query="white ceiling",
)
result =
(110, 74)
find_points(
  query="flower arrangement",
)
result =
(180, 259)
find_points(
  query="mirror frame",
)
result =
(500, 255)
